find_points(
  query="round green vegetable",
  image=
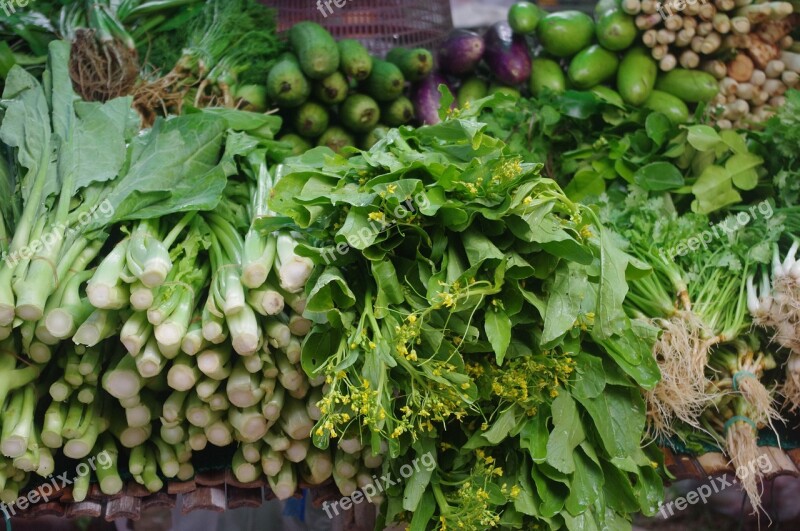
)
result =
(332, 90)
(547, 75)
(337, 139)
(359, 113)
(565, 33)
(386, 82)
(502, 89)
(523, 17)
(311, 120)
(472, 89)
(356, 62)
(616, 30)
(286, 84)
(315, 48)
(299, 144)
(592, 66)
(673, 108)
(399, 112)
(415, 64)
(636, 76)
(692, 86)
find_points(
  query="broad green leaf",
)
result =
(618, 416)
(423, 512)
(550, 492)
(609, 317)
(585, 183)
(714, 190)
(330, 292)
(659, 177)
(564, 304)
(658, 127)
(586, 485)
(742, 168)
(535, 433)
(501, 427)
(590, 379)
(498, 330)
(567, 434)
(417, 484)
(445, 102)
(176, 171)
(703, 137)
(734, 141)
(319, 345)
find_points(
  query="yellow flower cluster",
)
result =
(527, 381)
(340, 408)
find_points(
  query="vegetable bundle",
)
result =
(465, 307)
(144, 313)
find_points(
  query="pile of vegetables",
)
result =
(336, 94)
(144, 313)
(465, 307)
(744, 44)
(625, 55)
(562, 243)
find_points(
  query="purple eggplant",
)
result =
(426, 98)
(507, 54)
(461, 52)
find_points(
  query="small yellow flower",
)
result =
(412, 318)
(376, 216)
(391, 188)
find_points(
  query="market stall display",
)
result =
(557, 254)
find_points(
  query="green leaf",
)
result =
(714, 190)
(659, 177)
(742, 168)
(176, 170)
(417, 484)
(703, 137)
(319, 345)
(585, 183)
(567, 294)
(586, 486)
(445, 102)
(734, 141)
(501, 427)
(534, 435)
(590, 378)
(423, 512)
(657, 126)
(618, 416)
(550, 492)
(610, 317)
(498, 330)
(330, 292)
(567, 434)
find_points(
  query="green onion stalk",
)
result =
(226, 295)
(173, 308)
(773, 306)
(259, 252)
(734, 426)
(739, 367)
